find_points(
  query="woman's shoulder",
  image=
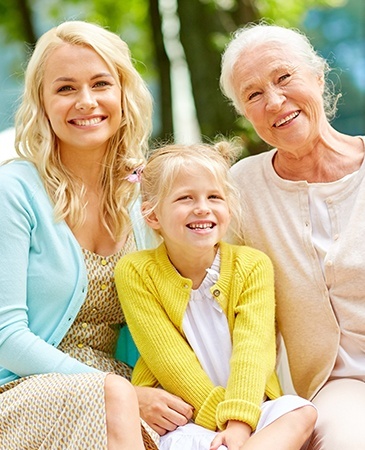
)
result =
(252, 162)
(19, 176)
(18, 169)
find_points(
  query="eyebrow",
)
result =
(98, 75)
(274, 71)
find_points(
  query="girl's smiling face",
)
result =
(82, 99)
(194, 216)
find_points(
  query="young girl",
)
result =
(203, 311)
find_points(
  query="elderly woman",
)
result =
(305, 203)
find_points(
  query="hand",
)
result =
(161, 410)
(233, 437)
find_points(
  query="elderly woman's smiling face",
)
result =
(279, 94)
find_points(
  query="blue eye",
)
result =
(102, 84)
(65, 89)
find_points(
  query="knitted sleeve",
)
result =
(253, 340)
(164, 351)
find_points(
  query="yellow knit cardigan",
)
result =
(154, 298)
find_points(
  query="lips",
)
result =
(87, 122)
(285, 120)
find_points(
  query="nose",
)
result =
(86, 100)
(202, 209)
(274, 99)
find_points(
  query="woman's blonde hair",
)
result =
(167, 162)
(254, 34)
(36, 141)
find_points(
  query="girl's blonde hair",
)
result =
(36, 141)
(167, 162)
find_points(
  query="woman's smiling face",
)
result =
(279, 94)
(82, 99)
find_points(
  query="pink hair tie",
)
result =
(136, 175)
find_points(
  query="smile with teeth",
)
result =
(286, 119)
(87, 122)
(201, 226)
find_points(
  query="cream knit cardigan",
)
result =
(311, 310)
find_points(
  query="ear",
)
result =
(149, 216)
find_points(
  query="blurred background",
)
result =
(177, 46)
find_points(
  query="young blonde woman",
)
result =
(65, 219)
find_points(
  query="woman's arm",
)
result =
(34, 279)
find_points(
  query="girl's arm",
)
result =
(163, 348)
(253, 340)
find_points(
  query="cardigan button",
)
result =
(216, 292)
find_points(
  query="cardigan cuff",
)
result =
(206, 416)
(142, 376)
(238, 410)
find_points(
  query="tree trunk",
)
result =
(163, 71)
(26, 24)
(199, 23)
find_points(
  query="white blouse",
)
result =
(350, 358)
(206, 328)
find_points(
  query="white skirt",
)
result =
(195, 437)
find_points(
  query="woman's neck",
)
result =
(328, 160)
(86, 167)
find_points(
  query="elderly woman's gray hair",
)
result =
(252, 35)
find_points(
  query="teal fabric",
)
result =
(145, 238)
(40, 255)
(126, 349)
(43, 255)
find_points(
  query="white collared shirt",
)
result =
(206, 328)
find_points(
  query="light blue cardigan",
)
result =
(43, 279)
